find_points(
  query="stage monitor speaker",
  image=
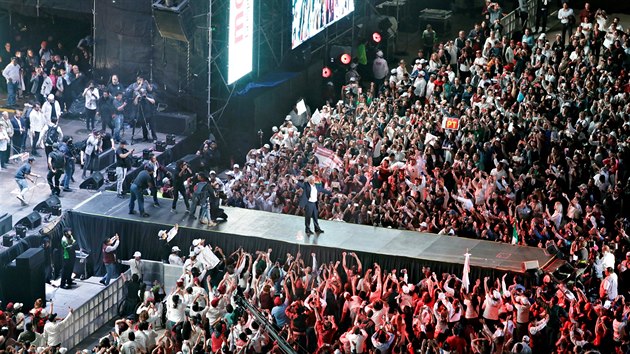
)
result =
(529, 265)
(94, 182)
(170, 139)
(160, 146)
(6, 223)
(31, 221)
(174, 21)
(178, 123)
(20, 231)
(7, 241)
(102, 160)
(49, 206)
(111, 174)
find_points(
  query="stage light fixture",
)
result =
(376, 37)
(346, 58)
(326, 72)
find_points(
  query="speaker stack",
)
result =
(174, 19)
(6, 223)
(28, 272)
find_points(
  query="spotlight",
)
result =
(376, 37)
(326, 72)
(346, 58)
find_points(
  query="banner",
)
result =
(450, 123)
(327, 158)
(240, 39)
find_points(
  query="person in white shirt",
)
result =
(567, 19)
(53, 328)
(175, 309)
(38, 123)
(608, 287)
(130, 346)
(51, 108)
(12, 74)
(91, 97)
(380, 69)
(174, 257)
(356, 337)
(136, 265)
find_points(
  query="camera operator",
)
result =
(210, 155)
(184, 172)
(91, 97)
(145, 104)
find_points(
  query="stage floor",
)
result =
(338, 235)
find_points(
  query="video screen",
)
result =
(311, 16)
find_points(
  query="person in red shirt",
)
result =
(456, 341)
(325, 328)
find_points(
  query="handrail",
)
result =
(512, 20)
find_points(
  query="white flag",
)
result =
(465, 276)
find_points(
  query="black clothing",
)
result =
(143, 180)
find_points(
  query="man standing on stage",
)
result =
(308, 201)
(109, 258)
(12, 74)
(144, 103)
(143, 181)
(123, 164)
(56, 164)
(69, 256)
(136, 265)
(50, 135)
(24, 173)
(183, 173)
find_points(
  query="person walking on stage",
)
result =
(143, 181)
(69, 256)
(308, 201)
(123, 164)
(56, 164)
(184, 172)
(24, 173)
(109, 258)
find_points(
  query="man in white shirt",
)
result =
(12, 74)
(38, 124)
(130, 346)
(91, 97)
(174, 258)
(566, 17)
(356, 337)
(53, 328)
(136, 265)
(608, 287)
(51, 108)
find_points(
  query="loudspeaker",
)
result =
(31, 258)
(7, 241)
(160, 146)
(170, 139)
(529, 265)
(6, 223)
(103, 160)
(146, 154)
(31, 221)
(178, 123)
(174, 22)
(20, 231)
(94, 182)
(49, 206)
(28, 272)
(111, 174)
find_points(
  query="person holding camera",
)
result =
(145, 104)
(183, 173)
(110, 245)
(91, 98)
(67, 148)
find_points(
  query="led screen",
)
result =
(240, 39)
(311, 16)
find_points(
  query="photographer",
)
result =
(91, 97)
(145, 105)
(106, 111)
(183, 173)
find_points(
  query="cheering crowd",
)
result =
(518, 143)
(343, 307)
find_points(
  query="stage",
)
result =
(104, 214)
